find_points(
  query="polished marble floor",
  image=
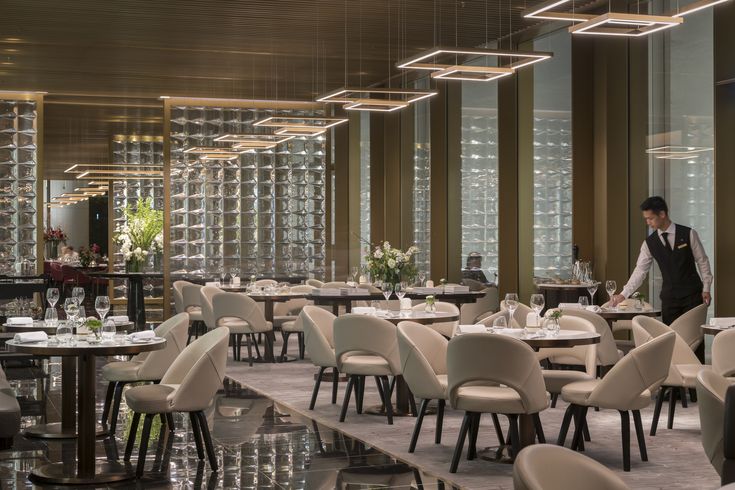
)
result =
(259, 445)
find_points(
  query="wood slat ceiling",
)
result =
(104, 64)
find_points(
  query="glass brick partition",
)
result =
(263, 212)
(18, 174)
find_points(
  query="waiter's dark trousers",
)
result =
(671, 309)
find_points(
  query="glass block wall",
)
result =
(364, 182)
(18, 172)
(263, 212)
(136, 150)
(552, 156)
(422, 181)
(479, 173)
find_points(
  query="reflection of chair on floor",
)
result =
(394, 475)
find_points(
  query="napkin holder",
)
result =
(532, 320)
(405, 304)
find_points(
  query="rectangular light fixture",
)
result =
(109, 167)
(627, 25)
(253, 140)
(348, 95)
(441, 58)
(299, 122)
(472, 73)
(375, 105)
(219, 156)
(110, 176)
(545, 11)
(293, 131)
(210, 150)
(697, 6)
(672, 149)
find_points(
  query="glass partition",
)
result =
(364, 183)
(422, 182)
(552, 157)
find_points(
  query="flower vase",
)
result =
(158, 261)
(133, 265)
(552, 326)
(430, 308)
(52, 250)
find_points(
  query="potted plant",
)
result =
(430, 304)
(552, 320)
(141, 234)
(52, 237)
(95, 326)
(388, 264)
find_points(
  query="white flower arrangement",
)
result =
(141, 234)
(389, 264)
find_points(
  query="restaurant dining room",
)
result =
(509, 224)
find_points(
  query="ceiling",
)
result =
(104, 64)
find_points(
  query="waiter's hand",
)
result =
(707, 298)
(617, 299)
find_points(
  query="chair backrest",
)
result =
(551, 467)
(643, 368)
(264, 283)
(689, 325)
(56, 274)
(489, 302)
(447, 329)
(423, 356)
(191, 295)
(318, 335)
(335, 284)
(237, 305)
(314, 283)
(607, 350)
(206, 293)
(473, 284)
(370, 288)
(178, 287)
(711, 392)
(293, 306)
(367, 335)
(723, 353)
(519, 316)
(199, 371)
(585, 355)
(654, 328)
(155, 363)
(490, 319)
(496, 359)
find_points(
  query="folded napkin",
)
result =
(531, 319)
(30, 337)
(144, 334)
(119, 319)
(471, 329)
(20, 320)
(570, 305)
(363, 310)
(593, 308)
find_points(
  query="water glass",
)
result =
(52, 296)
(63, 333)
(108, 331)
(78, 294)
(583, 301)
(102, 305)
(499, 324)
(120, 338)
(51, 318)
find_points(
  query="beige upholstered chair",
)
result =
(242, 316)
(447, 329)
(519, 316)
(607, 351)
(490, 319)
(470, 312)
(549, 467)
(191, 298)
(723, 348)
(286, 317)
(493, 374)
(626, 388)
(711, 393)
(625, 326)
(264, 283)
(145, 367)
(585, 355)
(689, 328)
(318, 326)
(316, 283)
(335, 284)
(178, 287)
(189, 385)
(682, 372)
(366, 346)
(424, 366)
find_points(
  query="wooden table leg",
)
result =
(527, 430)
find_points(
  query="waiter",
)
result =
(679, 253)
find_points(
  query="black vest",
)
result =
(678, 269)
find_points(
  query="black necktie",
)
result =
(665, 236)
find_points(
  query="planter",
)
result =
(52, 250)
(134, 265)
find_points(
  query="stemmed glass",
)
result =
(52, 296)
(610, 287)
(387, 289)
(102, 305)
(583, 301)
(78, 294)
(511, 302)
(400, 290)
(592, 289)
(355, 273)
(72, 311)
(538, 303)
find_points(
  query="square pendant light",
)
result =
(299, 122)
(626, 25)
(441, 59)
(546, 11)
(375, 105)
(293, 131)
(472, 73)
(255, 141)
(697, 6)
(375, 99)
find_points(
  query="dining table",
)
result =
(614, 314)
(136, 298)
(335, 301)
(715, 329)
(79, 374)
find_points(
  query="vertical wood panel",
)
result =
(454, 183)
(508, 171)
(377, 189)
(392, 210)
(439, 183)
(407, 148)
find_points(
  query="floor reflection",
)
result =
(259, 445)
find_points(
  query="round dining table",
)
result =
(136, 299)
(335, 300)
(422, 317)
(614, 314)
(40, 325)
(715, 329)
(79, 358)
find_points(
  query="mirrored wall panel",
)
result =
(422, 182)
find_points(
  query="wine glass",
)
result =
(51, 318)
(102, 305)
(387, 290)
(422, 277)
(583, 301)
(78, 294)
(355, 273)
(511, 302)
(610, 287)
(52, 296)
(400, 290)
(592, 289)
(499, 324)
(71, 307)
(108, 331)
(537, 303)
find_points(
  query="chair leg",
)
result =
(472, 448)
(116, 406)
(346, 401)
(269, 345)
(302, 346)
(170, 420)
(657, 410)
(673, 393)
(131, 436)
(639, 434)
(565, 424)
(693, 393)
(498, 429)
(108, 402)
(359, 393)
(554, 396)
(317, 383)
(143, 449)
(580, 418)
(284, 349)
(539, 429)
(239, 347)
(197, 434)
(417, 425)
(625, 429)
(412, 404)
(379, 384)
(460, 442)
(335, 383)
(250, 340)
(257, 348)
(388, 391)
(683, 396)
(439, 421)
(204, 427)
(233, 342)
(515, 440)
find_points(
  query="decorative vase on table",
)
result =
(134, 265)
(52, 250)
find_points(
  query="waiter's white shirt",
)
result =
(645, 259)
